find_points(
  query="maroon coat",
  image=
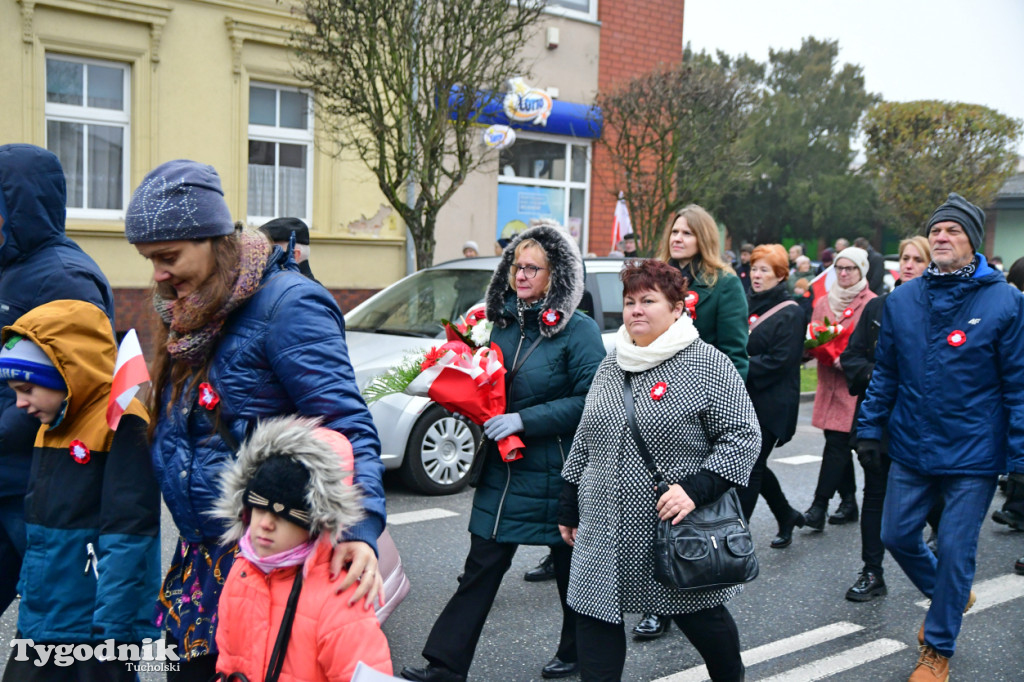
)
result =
(834, 407)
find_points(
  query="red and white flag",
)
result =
(621, 225)
(823, 282)
(130, 372)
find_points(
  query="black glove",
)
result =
(1015, 487)
(869, 452)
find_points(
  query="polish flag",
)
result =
(621, 224)
(130, 372)
(823, 282)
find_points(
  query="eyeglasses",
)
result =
(530, 271)
(846, 268)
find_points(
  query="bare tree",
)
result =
(671, 135)
(401, 82)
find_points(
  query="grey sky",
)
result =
(909, 49)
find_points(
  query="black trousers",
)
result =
(712, 632)
(453, 639)
(763, 482)
(91, 670)
(198, 669)
(872, 551)
(836, 473)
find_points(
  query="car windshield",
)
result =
(415, 306)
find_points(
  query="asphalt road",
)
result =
(794, 622)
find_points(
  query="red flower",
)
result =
(431, 358)
(848, 312)
(659, 390)
(550, 317)
(79, 452)
(208, 397)
(752, 319)
(956, 338)
(475, 315)
(691, 304)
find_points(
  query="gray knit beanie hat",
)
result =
(965, 214)
(179, 199)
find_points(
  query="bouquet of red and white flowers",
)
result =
(464, 375)
(825, 341)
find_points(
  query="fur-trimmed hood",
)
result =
(566, 269)
(334, 502)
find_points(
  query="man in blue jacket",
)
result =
(38, 264)
(949, 382)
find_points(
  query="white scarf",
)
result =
(839, 299)
(634, 358)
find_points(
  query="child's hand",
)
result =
(362, 566)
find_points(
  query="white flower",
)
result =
(480, 333)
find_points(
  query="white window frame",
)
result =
(277, 134)
(86, 115)
(590, 15)
(567, 184)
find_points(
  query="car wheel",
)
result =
(439, 453)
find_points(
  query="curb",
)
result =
(807, 397)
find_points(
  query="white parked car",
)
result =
(432, 450)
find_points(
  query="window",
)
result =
(87, 127)
(539, 177)
(585, 9)
(280, 153)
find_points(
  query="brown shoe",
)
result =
(971, 598)
(931, 667)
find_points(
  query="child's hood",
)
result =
(335, 503)
(78, 339)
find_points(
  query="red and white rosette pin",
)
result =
(691, 303)
(550, 317)
(751, 320)
(848, 313)
(956, 338)
(79, 452)
(659, 390)
(208, 397)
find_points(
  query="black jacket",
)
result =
(858, 360)
(775, 347)
(876, 271)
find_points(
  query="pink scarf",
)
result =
(292, 557)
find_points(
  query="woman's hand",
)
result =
(568, 534)
(675, 504)
(362, 566)
(502, 425)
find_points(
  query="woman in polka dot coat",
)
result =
(699, 425)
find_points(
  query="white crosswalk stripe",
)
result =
(992, 592)
(421, 515)
(797, 459)
(837, 663)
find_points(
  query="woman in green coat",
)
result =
(532, 302)
(715, 302)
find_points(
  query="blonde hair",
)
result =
(520, 247)
(709, 246)
(920, 243)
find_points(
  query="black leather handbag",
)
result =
(711, 547)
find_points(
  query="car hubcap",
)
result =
(447, 451)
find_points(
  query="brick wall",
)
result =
(133, 309)
(636, 36)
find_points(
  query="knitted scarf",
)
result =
(633, 358)
(193, 332)
(291, 557)
(840, 298)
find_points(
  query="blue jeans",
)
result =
(947, 579)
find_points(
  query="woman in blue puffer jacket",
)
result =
(244, 337)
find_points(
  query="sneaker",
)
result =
(931, 666)
(868, 586)
(971, 598)
(545, 570)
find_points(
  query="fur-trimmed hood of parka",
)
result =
(566, 271)
(334, 502)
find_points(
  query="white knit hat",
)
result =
(859, 257)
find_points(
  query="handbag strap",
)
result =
(520, 361)
(284, 634)
(627, 401)
(772, 311)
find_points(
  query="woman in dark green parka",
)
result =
(715, 302)
(532, 302)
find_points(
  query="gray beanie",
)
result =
(965, 214)
(178, 200)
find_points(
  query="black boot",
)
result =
(431, 673)
(545, 570)
(651, 626)
(785, 536)
(868, 586)
(814, 517)
(557, 668)
(846, 513)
